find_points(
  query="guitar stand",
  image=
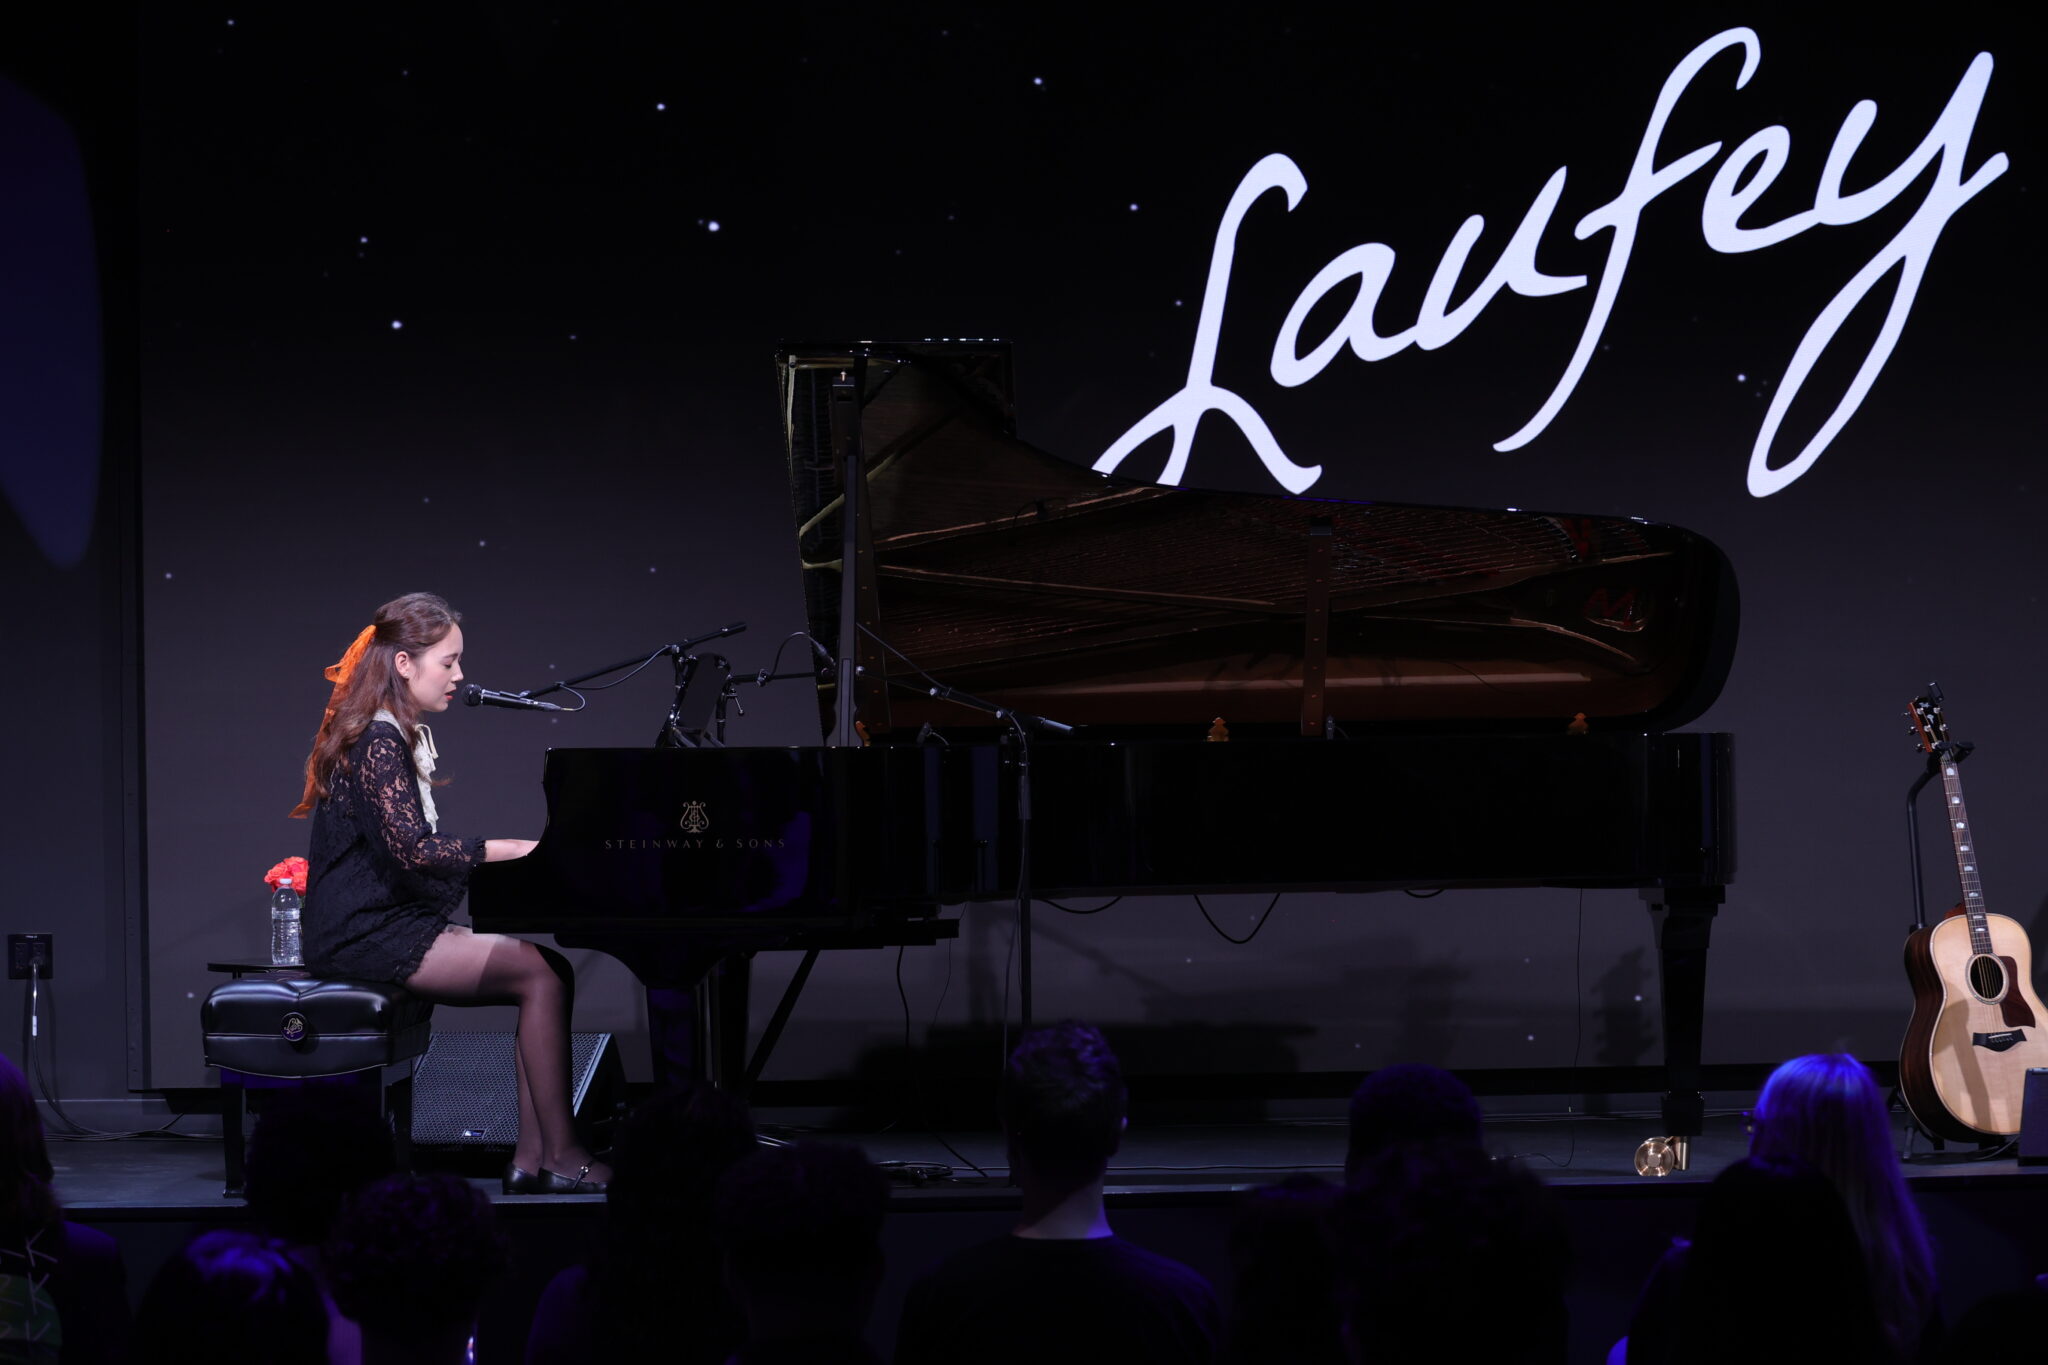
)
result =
(1958, 751)
(1896, 1101)
(1987, 1148)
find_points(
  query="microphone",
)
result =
(472, 695)
(766, 674)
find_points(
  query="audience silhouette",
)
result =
(1060, 1286)
(717, 1252)
(1410, 1103)
(1284, 1304)
(313, 1147)
(1772, 1274)
(1429, 1225)
(1826, 1110)
(800, 1228)
(2005, 1327)
(61, 1285)
(653, 1289)
(410, 1260)
(232, 1296)
(1447, 1254)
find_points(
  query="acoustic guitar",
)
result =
(1978, 1024)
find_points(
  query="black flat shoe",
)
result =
(552, 1182)
(521, 1182)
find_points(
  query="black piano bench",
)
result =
(299, 1028)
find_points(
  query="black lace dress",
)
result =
(381, 884)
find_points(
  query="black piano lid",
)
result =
(1137, 609)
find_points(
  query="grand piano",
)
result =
(1248, 692)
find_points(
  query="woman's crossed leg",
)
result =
(464, 968)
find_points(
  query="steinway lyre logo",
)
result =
(694, 820)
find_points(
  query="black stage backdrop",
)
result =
(483, 301)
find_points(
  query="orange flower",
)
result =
(293, 867)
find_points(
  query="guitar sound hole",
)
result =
(1987, 977)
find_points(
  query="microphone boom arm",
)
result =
(676, 650)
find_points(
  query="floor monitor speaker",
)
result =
(464, 1091)
(2034, 1118)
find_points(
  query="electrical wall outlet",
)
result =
(31, 955)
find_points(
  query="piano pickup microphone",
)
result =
(767, 674)
(472, 695)
(955, 695)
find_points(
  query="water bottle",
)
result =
(284, 925)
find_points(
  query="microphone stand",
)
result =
(1019, 723)
(676, 732)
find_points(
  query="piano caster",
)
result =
(1662, 1155)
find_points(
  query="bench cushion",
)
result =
(300, 1026)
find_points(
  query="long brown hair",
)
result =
(366, 681)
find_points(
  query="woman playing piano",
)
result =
(383, 880)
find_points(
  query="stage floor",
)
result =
(1191, 1162)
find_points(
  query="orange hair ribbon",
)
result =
(339, 672)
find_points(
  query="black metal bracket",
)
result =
(778, 1021)
(1943, 752)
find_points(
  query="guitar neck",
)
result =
(1965, 840)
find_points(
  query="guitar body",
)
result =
(1977, 1027)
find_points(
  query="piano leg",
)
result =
(1683, 917)
(700, 1030)
(722, 1020)
(672, 1030)
(678, 982)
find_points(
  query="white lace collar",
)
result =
(423, 756)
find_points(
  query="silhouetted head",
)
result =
(800, 1228)
(411, 1257)
(671, 1153)
(1826, 1111)
(313, 1147)
(1408, 1103)
(1775, 1273)
(233, 1296)
(2009, 1326)
(1285, 1304)
(1062, 1105)
(658, 1248)
(1444, 1253)
(26, 1200)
